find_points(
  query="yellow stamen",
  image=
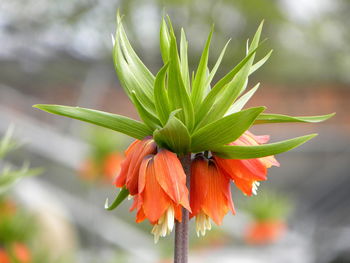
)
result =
(255, 187)
(202, 223)
(165, 224)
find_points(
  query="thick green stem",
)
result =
(181, 228)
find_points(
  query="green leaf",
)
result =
(260, 63)
(118, 200)
(225, 130)
(240, 103)
(198, 85)
(111, 121)
(233, 89)
(127, 78)
(250, 152)
(132, 73)
(179, 98)
(209, 100)
(161, 96)
(278, 118)
(148, 118)
(216, 66)
(141, 71)
(184, 60)
(256, 38)
(164, 41)
(173, 136)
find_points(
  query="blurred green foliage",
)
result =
(268, 206)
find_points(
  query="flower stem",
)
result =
(181, 228)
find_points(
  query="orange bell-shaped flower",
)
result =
(162, 192)
(247, 173)
(210, 195)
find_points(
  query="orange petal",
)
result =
(178, 212)
(216, 204)
(154, 200)
(246, 186)
(199, 184)
(140, 216)
(246, 169)
(146, 147)
(124, 166)
(269, 161)
(131, 147)
(171, 177)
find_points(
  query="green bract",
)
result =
(188, 114)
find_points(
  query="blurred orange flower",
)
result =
(22, 253)
(111, 166)
(264, 232)
(4, 258)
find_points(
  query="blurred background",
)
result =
(60, 52)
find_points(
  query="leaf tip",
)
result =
(39, 106)
(106, 204)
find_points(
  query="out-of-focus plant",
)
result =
(9, 175)
(104, 158)
(269, 214)
(17, 227)
(193, 140)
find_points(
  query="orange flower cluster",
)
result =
(157, 182)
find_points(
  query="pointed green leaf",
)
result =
(233, 89)
(260, 63)
(164, 41)
(128, 78)
(111, 121)
(141, 71)
(184, 60)
(256, 38)
(250, 152)
(198, 85)
(148, 118)
(240, 103)
(225, 130)
(161, 96)
(209, 100)
(216, 66)
(123, 194)
(179, 98)
(278, 118)
(173, 136)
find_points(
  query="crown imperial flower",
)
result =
(181, 116)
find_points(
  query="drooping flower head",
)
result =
(182, 115)
(210, 194)
(156, 180)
